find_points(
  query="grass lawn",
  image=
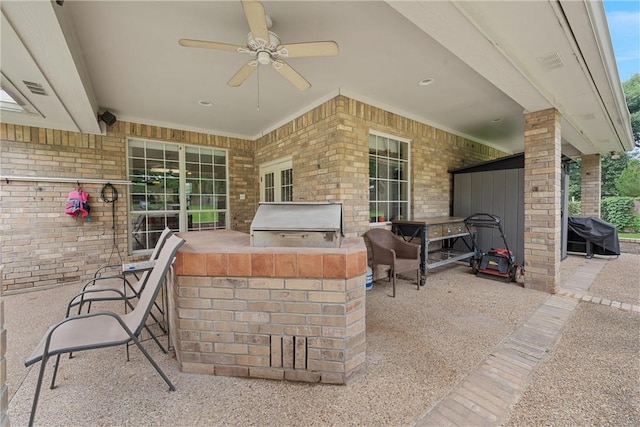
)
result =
(199, 217)
(629, 235)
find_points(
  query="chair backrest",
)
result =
(154, 256)
(382, 237)
(136, 319)
(163, 238)
(381, 240)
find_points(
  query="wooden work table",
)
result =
(439, 232)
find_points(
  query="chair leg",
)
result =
(36, 396)
(154, 364)
(55, 372)
(394, 284)
(155, 339)
(418, 279)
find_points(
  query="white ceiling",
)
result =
(489, 60)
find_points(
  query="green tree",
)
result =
(628, 183)
(611, 166)
(631, 90)
(575, 180)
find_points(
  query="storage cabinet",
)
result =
(436, 237)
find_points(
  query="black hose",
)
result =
(109, 194)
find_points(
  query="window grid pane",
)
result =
(154, 200)
(388, 179)
(269, 187)
(286, 185)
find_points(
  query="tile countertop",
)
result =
(229, 241)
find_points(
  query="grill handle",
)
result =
(294, 235)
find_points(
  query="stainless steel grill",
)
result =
(312, 225)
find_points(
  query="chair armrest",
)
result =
(79, 299)
(93, 281)
(382, 254)
(102, 269)
(407, 250)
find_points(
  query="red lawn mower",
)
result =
(498, 262)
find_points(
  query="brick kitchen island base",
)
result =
(280, 313)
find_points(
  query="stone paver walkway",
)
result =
(486, 396)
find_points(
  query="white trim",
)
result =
(408, 179)
(182, 179)
(388, 135)
(275, 167)
(318, 102)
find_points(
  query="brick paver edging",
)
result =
(485, 397)
(602, 301)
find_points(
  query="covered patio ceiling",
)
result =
(490, 62)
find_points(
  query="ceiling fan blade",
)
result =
(210, 45)
(292, 75)
(241, 75)
(297, 50)
(257, 19)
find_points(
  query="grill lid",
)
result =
(298, 217)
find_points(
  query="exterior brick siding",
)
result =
(590, 185)
(542, 173)
(329, 145)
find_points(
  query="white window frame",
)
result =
(407, 179)
(276, 167)
(183, 211)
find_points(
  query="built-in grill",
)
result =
(313, 225)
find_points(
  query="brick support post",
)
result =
(590, 185)
(542, 200)
(4, 392)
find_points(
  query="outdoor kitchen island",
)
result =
(293, 313)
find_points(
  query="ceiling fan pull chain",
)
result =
(258, 78)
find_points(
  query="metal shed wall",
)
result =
(497, 192)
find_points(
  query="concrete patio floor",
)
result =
(460, 351)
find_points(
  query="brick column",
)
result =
(542, 200)
(590, 185)
(4, 392)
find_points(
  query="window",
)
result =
(182, 187)
(286, 185)
(8, 103)
(276, 181)
(11, 100)
(388, 178)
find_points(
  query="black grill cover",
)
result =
(592, 236)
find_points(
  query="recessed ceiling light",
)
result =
(425, 82)
(496, 120)
(205, 103)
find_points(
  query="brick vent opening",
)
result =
(288, 352)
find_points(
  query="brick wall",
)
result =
(4, 391)
(41, 245)
(329, 146)
(542, 173)
(590, 185)
(279, 313)
(330, 150)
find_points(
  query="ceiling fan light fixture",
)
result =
(264, 57)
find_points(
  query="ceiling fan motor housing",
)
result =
(259, 44)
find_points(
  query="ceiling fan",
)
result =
(264, 48)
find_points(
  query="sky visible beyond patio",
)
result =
(623, 17)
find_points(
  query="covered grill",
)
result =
(313, 225)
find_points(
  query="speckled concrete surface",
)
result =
(592, 377)
(419, 346)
